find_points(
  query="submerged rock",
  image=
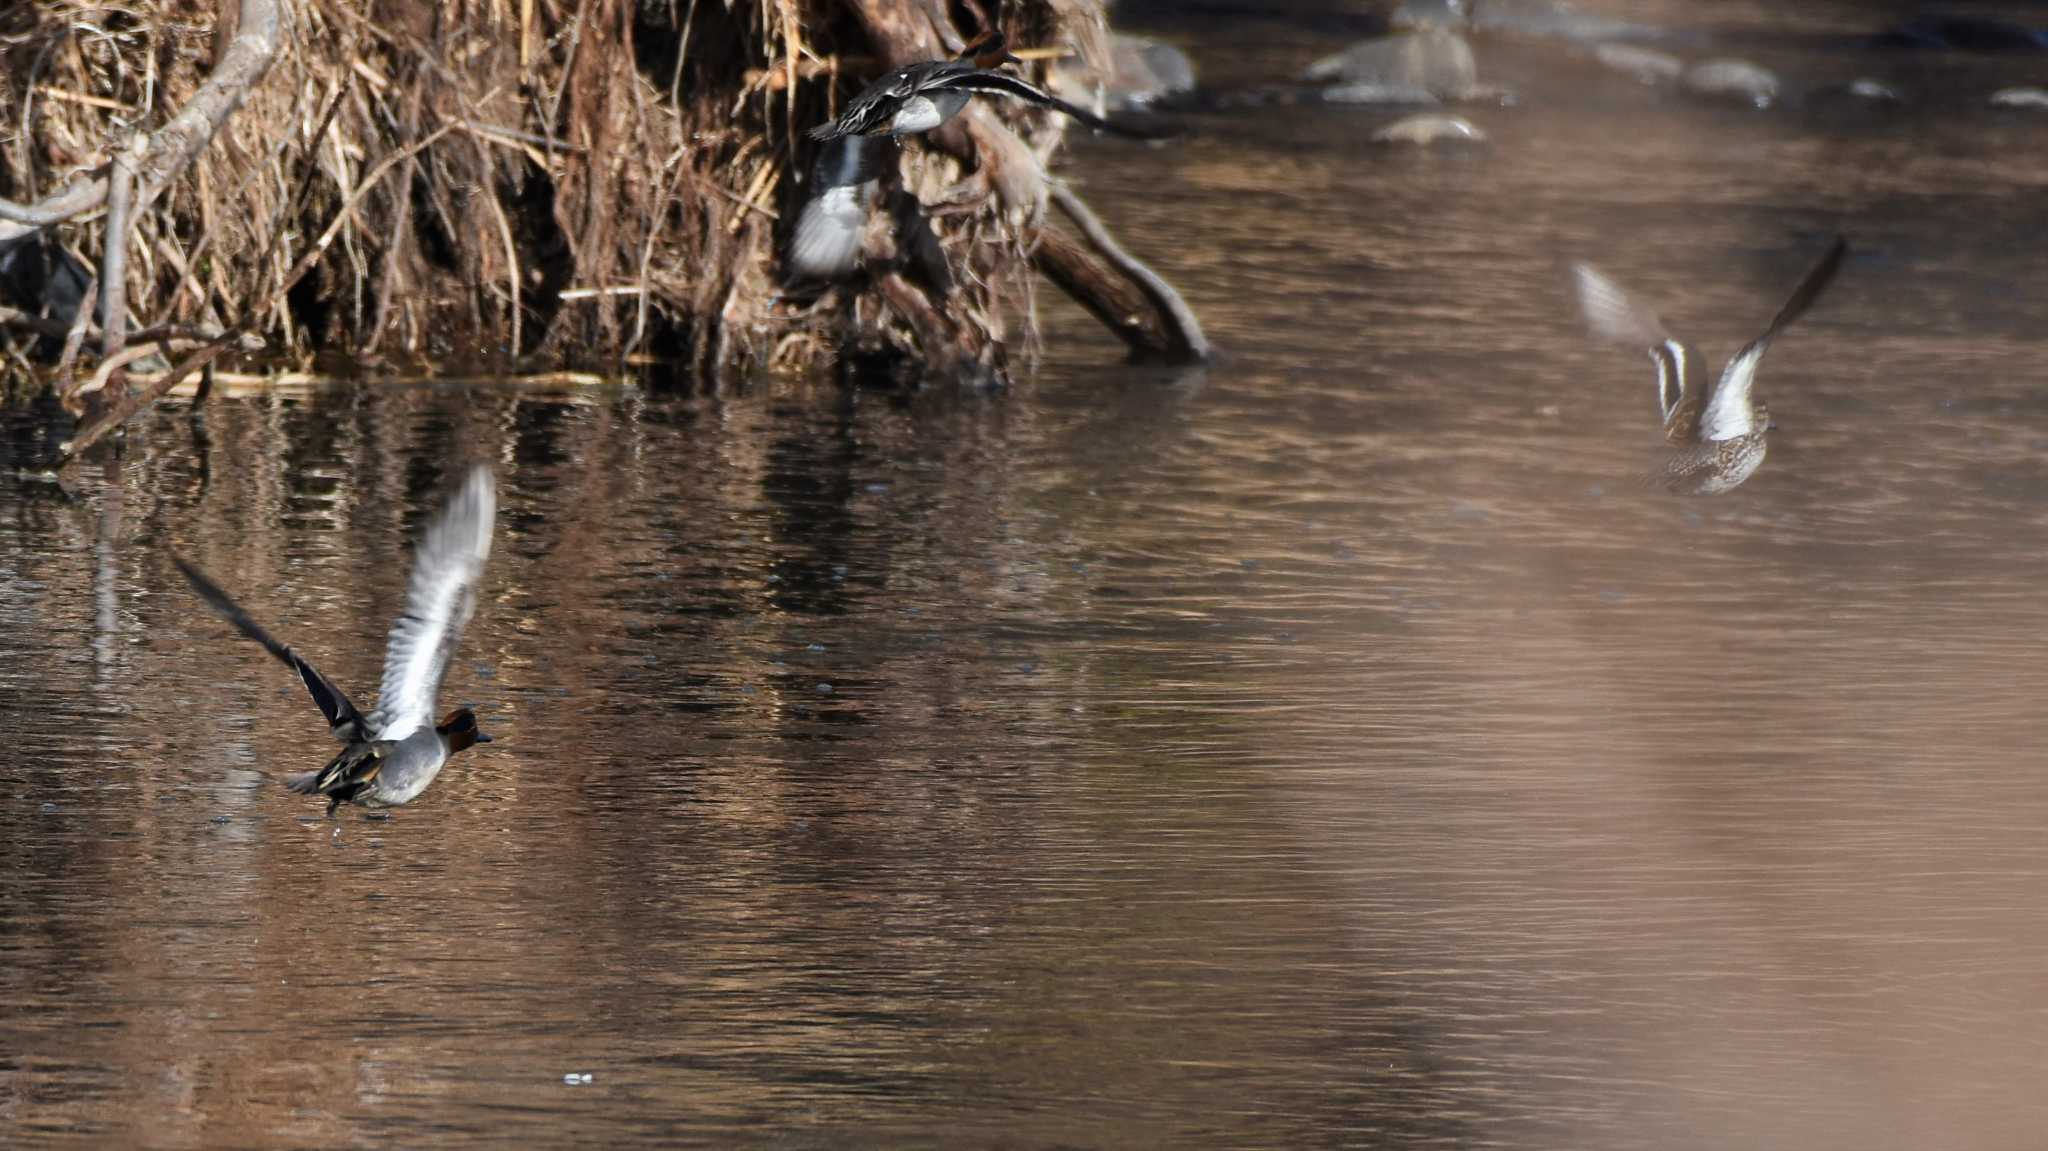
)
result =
(1141, 72)
(1425, 128)
(1378, 94)
(1859, 99)
(1644, 64)
(2020, 98)
(1729, 79)
(1438, 63)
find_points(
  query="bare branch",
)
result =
(12, 318)
(173, 147)
(75, 338)
(77, 198)
(114, 261)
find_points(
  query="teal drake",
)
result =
(1716, 435)
(389, 756)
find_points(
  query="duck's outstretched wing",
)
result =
(1002, 83)
(1618, 317)
(1727, 413)
(342, 717)
(876, 106)
(438, 603)
(871, 111)
(829, 230)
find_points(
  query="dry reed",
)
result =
(513, 184)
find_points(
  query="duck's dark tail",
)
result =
(305, 783)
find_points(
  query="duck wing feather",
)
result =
(439, 601)
(342, 717)
(1728, 412)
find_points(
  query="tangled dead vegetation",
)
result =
(502, 184)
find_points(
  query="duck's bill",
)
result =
(482, 738)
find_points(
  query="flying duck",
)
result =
(1716, 433)
(390, 755)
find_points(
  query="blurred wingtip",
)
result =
(1611, 313)
(826, 242)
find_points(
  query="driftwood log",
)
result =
(511, 183)
(1130, 299)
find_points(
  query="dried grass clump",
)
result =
(498, 183)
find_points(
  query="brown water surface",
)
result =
(1336, 747)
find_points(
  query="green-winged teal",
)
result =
(391, 755)
(1718, 434)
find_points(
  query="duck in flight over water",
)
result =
(1717, 434)
(390, 755)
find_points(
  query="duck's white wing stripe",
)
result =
(1614, 315)
(1729, 413)
(1670, 357)
(437, 605)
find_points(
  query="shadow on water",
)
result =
(1336, 746)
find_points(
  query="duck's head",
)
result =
(991, 49)
(460, 730)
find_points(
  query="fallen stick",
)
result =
(129, 406)
(112, 364)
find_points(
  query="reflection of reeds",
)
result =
(485, 181)
(238, 385)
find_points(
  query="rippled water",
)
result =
(1336, 747)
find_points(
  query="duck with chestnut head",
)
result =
(390, 755)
